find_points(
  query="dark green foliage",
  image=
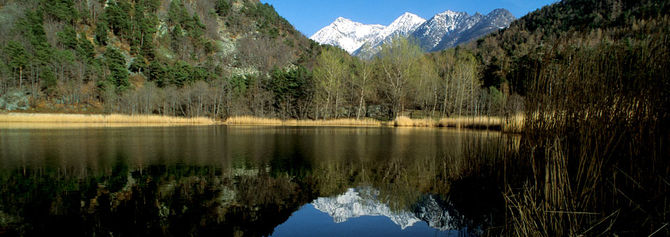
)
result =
(68, 37)
(267, 19)
(101, 33)
(33, 29)
(16, 55)
(291, 89)
(138, 65)
(116, 64)
(493, 77)
(177, 13)
(157, 73)
(62, 10)
(180, 73)
(117, 15)
(222, 7)
(85, 49)
(49, 80)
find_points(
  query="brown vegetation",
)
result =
(512, 124)
(54, 119)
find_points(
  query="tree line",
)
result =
(160, 57)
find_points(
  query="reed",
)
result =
(100, 118)
(513, 124)
(250, 120)
(595, 143)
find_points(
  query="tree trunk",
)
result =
(360, 106)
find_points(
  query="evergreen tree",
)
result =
(101, 33)
(68, 37)
(116, 64)
(17, 59)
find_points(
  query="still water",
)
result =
(249, 181)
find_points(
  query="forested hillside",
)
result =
(512, 55)
(179, 57)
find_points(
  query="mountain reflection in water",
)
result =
(237, 181)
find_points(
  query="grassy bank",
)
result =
(250, 120)
(41, 120)
(513, 124)
(24, 118)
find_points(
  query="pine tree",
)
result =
(116, 63)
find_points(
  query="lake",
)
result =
(250, 181)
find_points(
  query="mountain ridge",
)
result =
(444, 30)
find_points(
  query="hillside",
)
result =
(507, 55)
(78, 55)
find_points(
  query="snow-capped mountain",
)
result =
(346, 34)
(364, 202)
(444, 30)
(431, 33)
(475, 27)
(403, 26)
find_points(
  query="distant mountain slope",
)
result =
(475, 27)
(403, 26)
(444, 30)
(347, 34)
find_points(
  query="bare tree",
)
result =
(399, 62)
(329, 77)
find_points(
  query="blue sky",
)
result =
(308, 16)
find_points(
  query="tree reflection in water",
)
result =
(449, 184)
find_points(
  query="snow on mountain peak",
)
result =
(445, 29)
(362, 202)
(406, 23)
(347, 34)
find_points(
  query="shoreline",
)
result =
(65, 120)
(510, 125)
(100, 119)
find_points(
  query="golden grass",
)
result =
(511, 124)
(101, 118)
(250, 120)
(404, 121)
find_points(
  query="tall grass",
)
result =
(596, 143)
(512, 124)
(250, 120)
(100, 118)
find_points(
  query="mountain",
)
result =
(431, 33)
(403, 26)
(361, 202)
(444, 30)
(475, 27)
(364, 202)
(346, 34)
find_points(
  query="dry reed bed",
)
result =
(511, 124)
(250, 120)
(100, 118)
